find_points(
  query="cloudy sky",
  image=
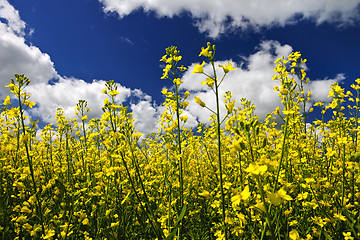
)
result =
(69, 49)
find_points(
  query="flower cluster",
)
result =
(239, 177)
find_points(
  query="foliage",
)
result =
(95, 179)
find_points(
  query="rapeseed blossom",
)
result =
(199, 68)
(282, 176)
(228, 67)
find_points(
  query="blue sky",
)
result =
(70, 48)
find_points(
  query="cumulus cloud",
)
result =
(252, 80)
(12, 17)
(218, 16)
(17, 56)
(67, 92)
(320, 88)
(146, 116)
(50, 91)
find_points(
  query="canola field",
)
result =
(239, 177)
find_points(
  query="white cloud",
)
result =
(67, 92)
(14, 23)
(218, 16)
(17, 56)
(320, 88)
(146, 116)
(253, 82)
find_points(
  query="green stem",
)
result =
(219, 151)
(282, 153)
(153, 222)
(29, 160)
(181, 176)
(279, 167)
(267, 211)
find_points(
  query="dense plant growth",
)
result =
(237, 178)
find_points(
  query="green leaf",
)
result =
(181, 216)
(327, 236)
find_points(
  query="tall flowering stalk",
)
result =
(214, 84)
(81, 110)
(123, 135)
(17, 87)
(299, 181)
(174, 102)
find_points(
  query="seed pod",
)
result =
(264, 143)
(257, 130)
(254, 123)
(242, 145)
(242, 125)
(247, 127)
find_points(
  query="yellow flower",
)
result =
(219, 235)
(184, 118)
(230, 107)
(186, 94)
(294, 235)
(347, 236)
(113, 93)
(294, 222)
(114, 224)
(177, 81)
(282, 193)
(209, 81)
(228, 67)
(205, 194)
(21, 219)
(12, 87)
(205, 52)
(342, 140)
(256, 169)
(198, 101)
(185, 104)
(25, 209)
(163, 59)
(182, 68)
(274, 199)
(177, 58)
(164, 91)
(27, 226)
(244, 195)
(7, 101)
(259, 206)
(169, 60)
(308, 237)
(85, 221)
(339, 216)
(278, 197)
(49, 233)
(199, 68)
(277, 111)
(302, 196)
(106, 101)
(166, 71)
